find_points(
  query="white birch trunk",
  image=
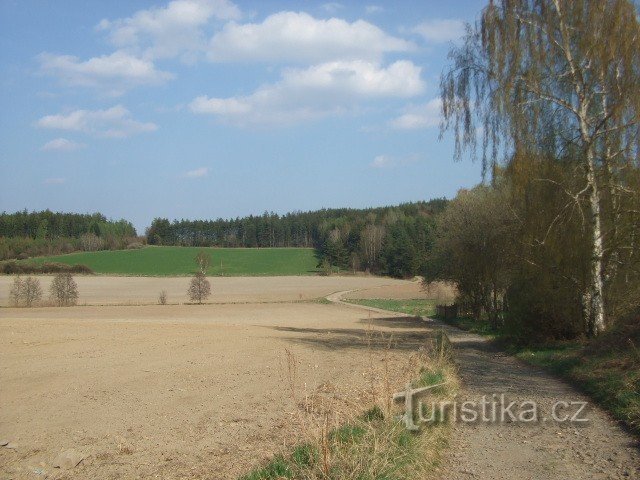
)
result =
(595, 321)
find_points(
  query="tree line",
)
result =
(392, 240)
(25, 234)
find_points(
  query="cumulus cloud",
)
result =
(419, 116)
(54, 181)
(440, 30)
(197, 173)
(169, 31)
(320, 90)
(114, 122)
(62, 145)
(299, 37)
(113, 74)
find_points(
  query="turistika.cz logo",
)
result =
(494, 408)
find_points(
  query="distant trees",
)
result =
(371, 239)
(25, 293)
(64, 290)
(24, 233)
(346, 239)
(199, 288)
(557, 81)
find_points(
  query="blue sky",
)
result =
(213, 108)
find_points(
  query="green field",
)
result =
(180, 261)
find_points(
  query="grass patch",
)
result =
(176, 261)
(417, 307)
(482, 327)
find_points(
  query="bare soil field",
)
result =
(206, 391)
(177, 391)
(106, 290)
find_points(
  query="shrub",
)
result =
(16, 291)
(18, 268)
(162, 298)
(64, 290)
(200, 288)
(25, 292)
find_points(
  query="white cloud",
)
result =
(372, 9)
(386, 161)
(298, 37)
(54, 181)
(62, 145)
(114, 122)
(440, 30)
(197, 173)
(381, 161)
(419, 116)
(113, 74)
(169, 31)
(320, 90)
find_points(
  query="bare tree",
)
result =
(554, 77)
(16, 291)
(162, 298)
(64, 290)
(203, 260)
(32, 292)
(25, 292)
(372, 238)
(199, 288)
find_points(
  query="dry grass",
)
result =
(359, 434)
(443, 293)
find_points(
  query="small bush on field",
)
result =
(64, 290)
(134, 245)
(199, 289)
(162, 298)
(25, 292)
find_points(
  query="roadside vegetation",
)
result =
(373, 443)
(549, 248)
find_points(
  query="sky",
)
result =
(218, 109)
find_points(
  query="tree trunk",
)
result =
(595, 322)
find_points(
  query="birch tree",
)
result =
(550, 77)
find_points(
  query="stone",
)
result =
(68, 459)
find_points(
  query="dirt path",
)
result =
(597, 449)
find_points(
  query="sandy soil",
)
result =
(177, 391)
(104, 290)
